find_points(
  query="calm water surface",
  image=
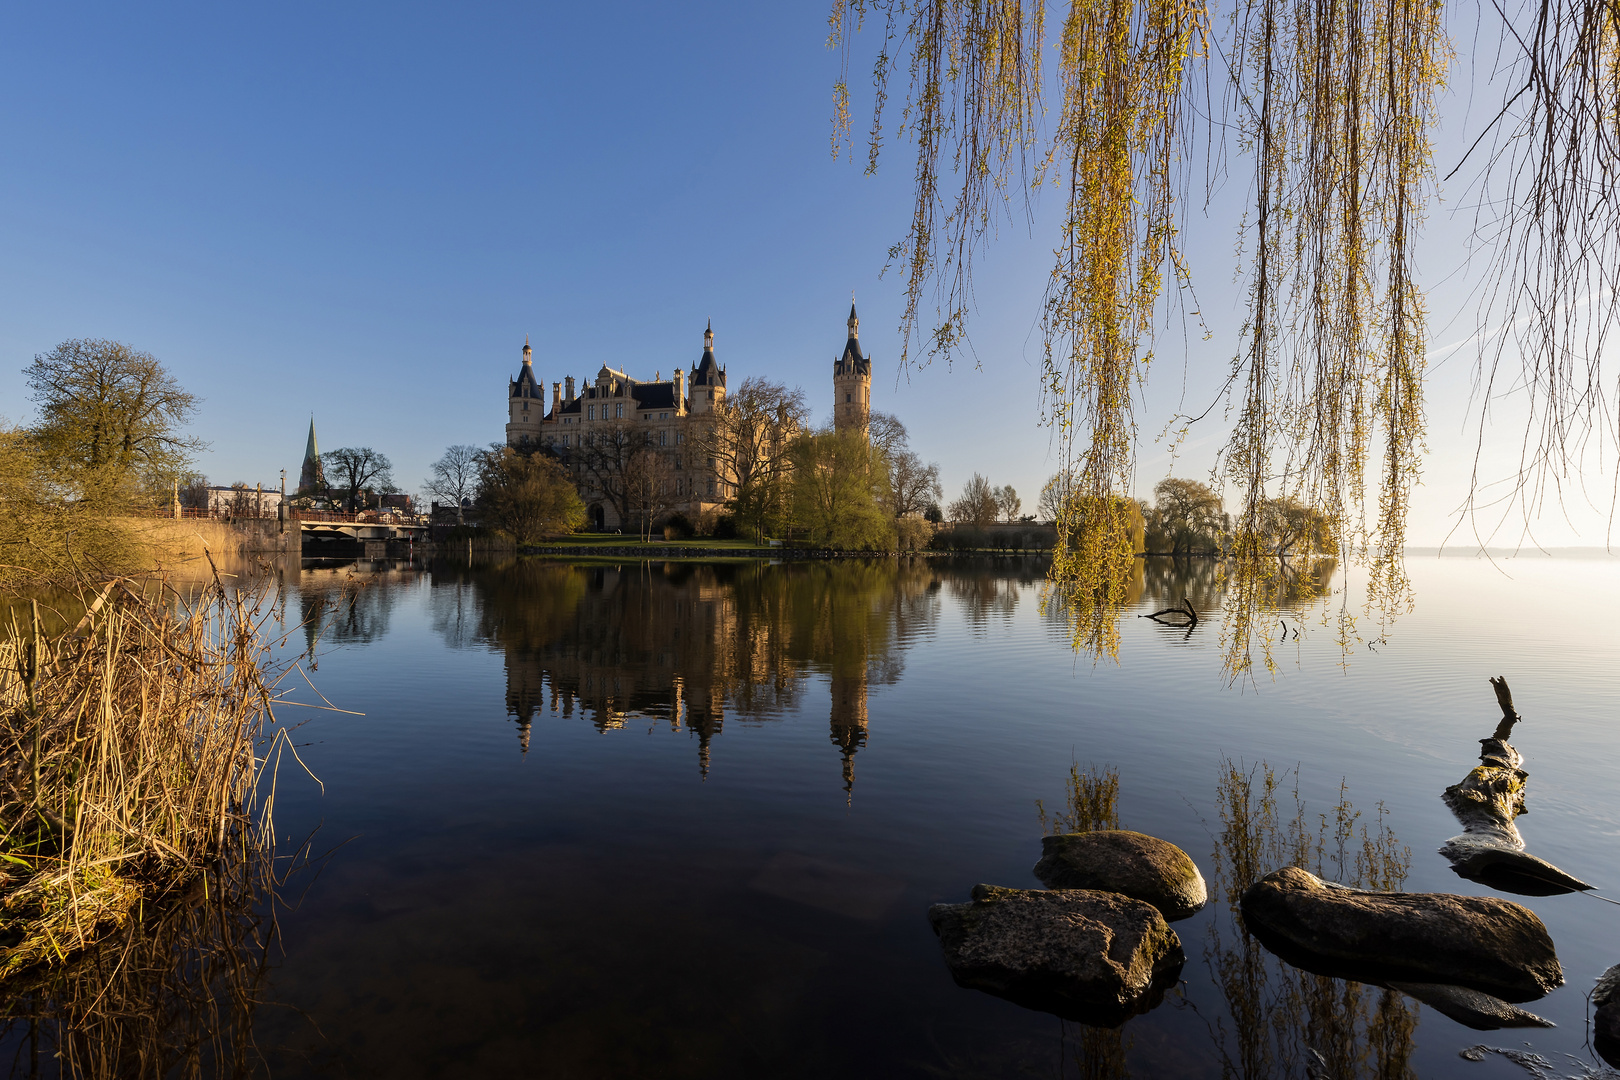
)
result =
(684, 820)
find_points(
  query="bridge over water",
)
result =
(326, 526)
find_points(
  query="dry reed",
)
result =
(173, 993)
(130, 753)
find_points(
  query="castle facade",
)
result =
(670, 414)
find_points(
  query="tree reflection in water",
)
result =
(690, 644)
(349, 604)
(170, 994)
(1288, 588)
(1282, 1017)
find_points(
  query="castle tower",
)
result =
(708, 377)
(848, 721)
(310, 478)
(526, 402)
(852, 382)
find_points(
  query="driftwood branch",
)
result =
(1504, 698)
(1185, 608)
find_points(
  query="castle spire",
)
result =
(528, 353)
(708, 336)
(854, 321)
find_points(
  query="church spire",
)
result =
(311, 477)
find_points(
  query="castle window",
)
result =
(677, 461)
(618, 412)
(846, 399)
(711, 395)
(525, 406)
(591, 412)
(711, 487)
(680, 437)
(663, 416)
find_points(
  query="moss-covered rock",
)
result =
(1133, 864)
(1095, 957)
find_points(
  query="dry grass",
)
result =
(128, 759)
(165, 541)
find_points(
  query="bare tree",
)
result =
(887, 433)
(612, 463)
(977, 504)
(455, 476)
(354, 468)
(750, 439)
(1008, 503)
(914, 486)
(650, 490)
(242, 503)
(1055, 496)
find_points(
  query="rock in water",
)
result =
(1470, 1008)
(1479, 942)
(1486, 802)
(1117, 860)
(1090, 956)
(1606, 1016)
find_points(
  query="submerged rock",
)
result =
(1606, 1016)
(1478, 942)
(1095, 957)
(1470, 1008)
(1131, 863)
(1490, 850)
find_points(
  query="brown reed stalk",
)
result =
(130, 751)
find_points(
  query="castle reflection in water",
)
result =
(694, 645)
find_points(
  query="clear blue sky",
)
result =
(360, 210)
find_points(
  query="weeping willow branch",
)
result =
(1336, 98)
(1549, 228)
(1331, 103)
(975, 98)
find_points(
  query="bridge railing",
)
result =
(364, 517)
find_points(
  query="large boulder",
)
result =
(1606, 1016)
(1095, 957)
(1482, 943)
(1131, 863)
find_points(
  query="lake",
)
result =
(686, 820)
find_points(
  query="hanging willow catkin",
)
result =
(1123, 73)
(1336, 98)
(1331, 101)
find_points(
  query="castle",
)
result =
(670, 413)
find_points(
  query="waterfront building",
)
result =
(670, 414)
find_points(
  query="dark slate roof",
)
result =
(526, 385)
(569, 407)
(853, 361)
(657, 395)
(708, 372)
